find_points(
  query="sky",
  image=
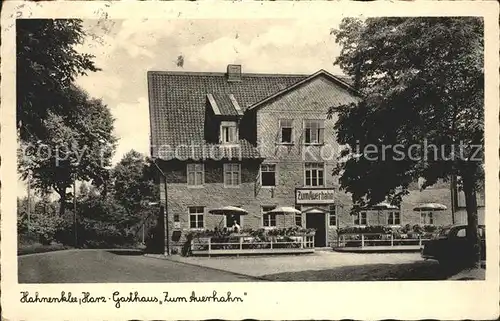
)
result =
(126, 49)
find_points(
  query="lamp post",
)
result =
(337, 218)
(29, 202)
(74, 211)
(73, 165)
(166, 221)
(453, 188)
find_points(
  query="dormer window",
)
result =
(228, 132)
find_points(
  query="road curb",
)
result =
(44, 252)
(164, 257)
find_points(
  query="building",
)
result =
(259, 141)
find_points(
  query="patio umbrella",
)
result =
(430, 207)
(228, 210)
(382, 206)
(284, 210)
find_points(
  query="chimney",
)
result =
(233, 73)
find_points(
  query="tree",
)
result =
(133, 185)
(421, 86)
(47, 65)
(77, 146)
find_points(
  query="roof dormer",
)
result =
(224, 105)
(223, 114)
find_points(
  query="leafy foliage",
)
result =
(421, 84)
(78, 146)
(384, 229)
(421, 81)
(133, 181)
(104, 218)
(47, 65)
(42, 224)
(117, 217)
(68, 134)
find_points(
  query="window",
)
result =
(314, 131)
(426, 218)
(196, 216)
(393, 218)
(332, 215)
(360, 219)
(314, 174)
(286, 131)
(268, 175)
(228, 132)
(232, 174)
(298, 216)
(195, 174)
(461, 233)
(268, 220)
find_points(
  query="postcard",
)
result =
(249, 160)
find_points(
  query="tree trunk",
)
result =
(472, 218)
(62, 203)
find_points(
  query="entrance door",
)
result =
(317, 222)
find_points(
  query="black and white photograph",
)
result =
(249, 150)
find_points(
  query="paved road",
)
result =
(100, 266)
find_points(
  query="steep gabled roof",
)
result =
(337, 80)
(177, 102)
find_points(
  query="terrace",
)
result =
(247, 242)
(384, 238)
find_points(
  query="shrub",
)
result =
(417, 229)
(96, 234)
(366, 229)
(430, 228)
(42, 226)
(407, 228)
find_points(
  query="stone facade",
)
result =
(290, 175)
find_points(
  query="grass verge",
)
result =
(23, 249)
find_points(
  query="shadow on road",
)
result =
(127, 252)
(418, 271)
